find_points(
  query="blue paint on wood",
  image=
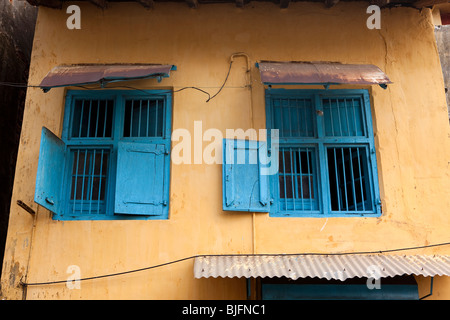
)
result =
(132, 204)
(50, 172)
(140, 179)
(245, 187)
(325, 121)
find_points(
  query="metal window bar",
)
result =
(297, 179)
(92, 119)
(348, 176)
(343, 117)
(293, 117)
(144, 118)
(89, 180)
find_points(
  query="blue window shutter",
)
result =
(245, 187)
(140, 180)
(50, 172)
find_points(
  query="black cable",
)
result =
(223, 85)
(240, 254)
(23, 85)
(17, 85)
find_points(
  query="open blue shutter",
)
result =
(50, 172)
(245, 186)
(140, 184)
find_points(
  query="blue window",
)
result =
(327, 162)
(113, 159)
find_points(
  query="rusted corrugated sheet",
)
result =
(85, 74)
(321, 73)
(339, 267)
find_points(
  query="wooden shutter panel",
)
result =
(50, 172)
(140, 184)
(245, 188)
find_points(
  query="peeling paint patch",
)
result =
(14, 271)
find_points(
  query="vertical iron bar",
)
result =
(360, 181)
(84, 176)
(292, 179)
(76, 181)
(89, 119)
(140, 118)
(309, 179)
(281, 117)
(345, 179)
(331, 116)
(131, 118)
(104, 121)
(306, 118)
(92, 180)
(81, 118)
(148, 113)
(346, 117)
(96, 121)
(100, 183)
(295, 192)
(156, 118)
(299, 132)
(353, 179)
(337, 179)
(301, 175)
(339, 116)
(289, 116)
(354, 117)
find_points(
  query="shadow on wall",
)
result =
(443, 43)
(17, 22)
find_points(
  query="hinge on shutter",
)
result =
(157, 152)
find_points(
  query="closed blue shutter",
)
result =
(140, 180)
(50, 172)
(245, 187)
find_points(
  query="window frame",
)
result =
(320, 143)
(111, 143)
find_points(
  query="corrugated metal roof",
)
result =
(338, 267)
(321, 73)
(85, 74)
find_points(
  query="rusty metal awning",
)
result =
(337, 267)
(62, 76)
(325, 73)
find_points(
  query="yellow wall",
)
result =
(410, 124)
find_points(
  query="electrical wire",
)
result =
(240, 254)
(225, 81)
(16, 85)
(24, 85)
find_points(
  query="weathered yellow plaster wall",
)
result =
(410, 124)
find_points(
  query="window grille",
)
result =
(144, 118)
(293, 117)
(96, 148)
(89, 180)
(327, 163)
(297, 182)
(348, 176)
(92, 118)
(343, 117)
